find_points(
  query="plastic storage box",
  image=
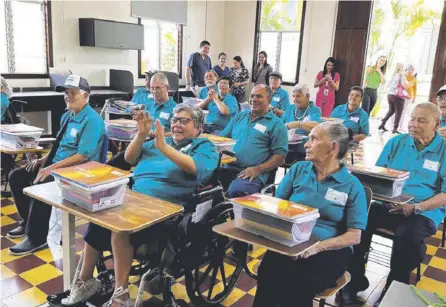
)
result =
(265, 218)
(295, 137)
(121, 129)
(220, 142)
(20, 136)
(382, 181)
(97, 198)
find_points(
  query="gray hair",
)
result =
(337, 132)
(433, 109)
(212, 71)
(195, 112)
(303, 88)
(5, 85)
(160, 77)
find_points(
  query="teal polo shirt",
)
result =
(84, 135)
(216, 118)
(157, 176)
(442, 122)
(358, 120)
(142, 96)
(204, 91)
(4, 105)
(257, 140)
(280, 99)
(311, 113)
(163, 112)
(340, 198)
(427, 169)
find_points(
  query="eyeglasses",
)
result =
(156, 89)
(183, 120)
(441, 99)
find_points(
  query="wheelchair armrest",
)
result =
(268, 187)
(211, 191)
(227, 152)
(22, 102)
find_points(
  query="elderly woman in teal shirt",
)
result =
(321, 182)
(6, 93)
(169, 168)
(222, 107)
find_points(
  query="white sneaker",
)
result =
(115, 298)
(82, 291)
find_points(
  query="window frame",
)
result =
(180, 52)
(257, 40)
(49, 49)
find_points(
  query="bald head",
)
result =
(431, 109)
(424, 121)
(260, 99)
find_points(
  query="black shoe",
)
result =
(381, 127)
(394, 131)
(17, 232)
(26, 247)
(348, 296)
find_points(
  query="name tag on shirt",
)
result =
(306, 119)
(185, 148)
(260, 128)
(337, 197)
(431, 165)
(164, 115)
(73, 132)
(354, 119)
(150, 96)
(276, 99)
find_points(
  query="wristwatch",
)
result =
(417, 209)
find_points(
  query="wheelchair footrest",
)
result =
(54, 300)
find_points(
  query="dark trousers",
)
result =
(240, 98)
(369, 99)
(35, 214)
(285, 282)
(396, 106)
(7, 163)
(237, 187)
(408, 249)
(119, 162)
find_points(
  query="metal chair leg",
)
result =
(322, 302)
(418, 272)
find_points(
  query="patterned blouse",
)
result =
(238, 76)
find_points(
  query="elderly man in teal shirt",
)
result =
(441, 101)
(262, 145)
(143, 94)
(280, 98)
(81, 138)
(422, 152)
(210, 79)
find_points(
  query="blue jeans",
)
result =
(242, 187)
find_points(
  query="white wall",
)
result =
(228, 25)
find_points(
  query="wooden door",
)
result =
(439, 72)
(350, 45)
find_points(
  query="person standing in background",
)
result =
(441, 102)
(197, 65)
(412, 81)
(6, 94)
(239, 76)
(221, 69)
(374, 77)
(328, 82)
(262, 70)
(396, 103)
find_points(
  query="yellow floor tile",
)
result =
(229, 269)
(5, 272)
(6, 257)
(218, 288)
(438, 234)
(30, 298)
(6, 220)
(423, 268)
(235, 295)
(253, 265)
(11, 209)
(180, 293)
(431, 250)
(133, 291)
(16, 240)
(257, 252)
(253, 291)
(49, 255)
(438, 263)
(41, 274)
(431, 285)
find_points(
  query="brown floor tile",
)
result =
(15, 217)
(5, 243)
(81, 229)
(153, 302)
(427, 259)
(52, 286)
(433, 241)
(13, 285)
(441, 253)
(80, 244)
(245, 301)
(246, 283)
(6, 202)
(59, 262)
(436, 274)
(24, 264)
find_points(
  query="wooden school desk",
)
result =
(138, 212)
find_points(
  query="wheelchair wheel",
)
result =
(211, 284)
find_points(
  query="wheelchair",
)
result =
(188, 248)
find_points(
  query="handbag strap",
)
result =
(49, 159)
